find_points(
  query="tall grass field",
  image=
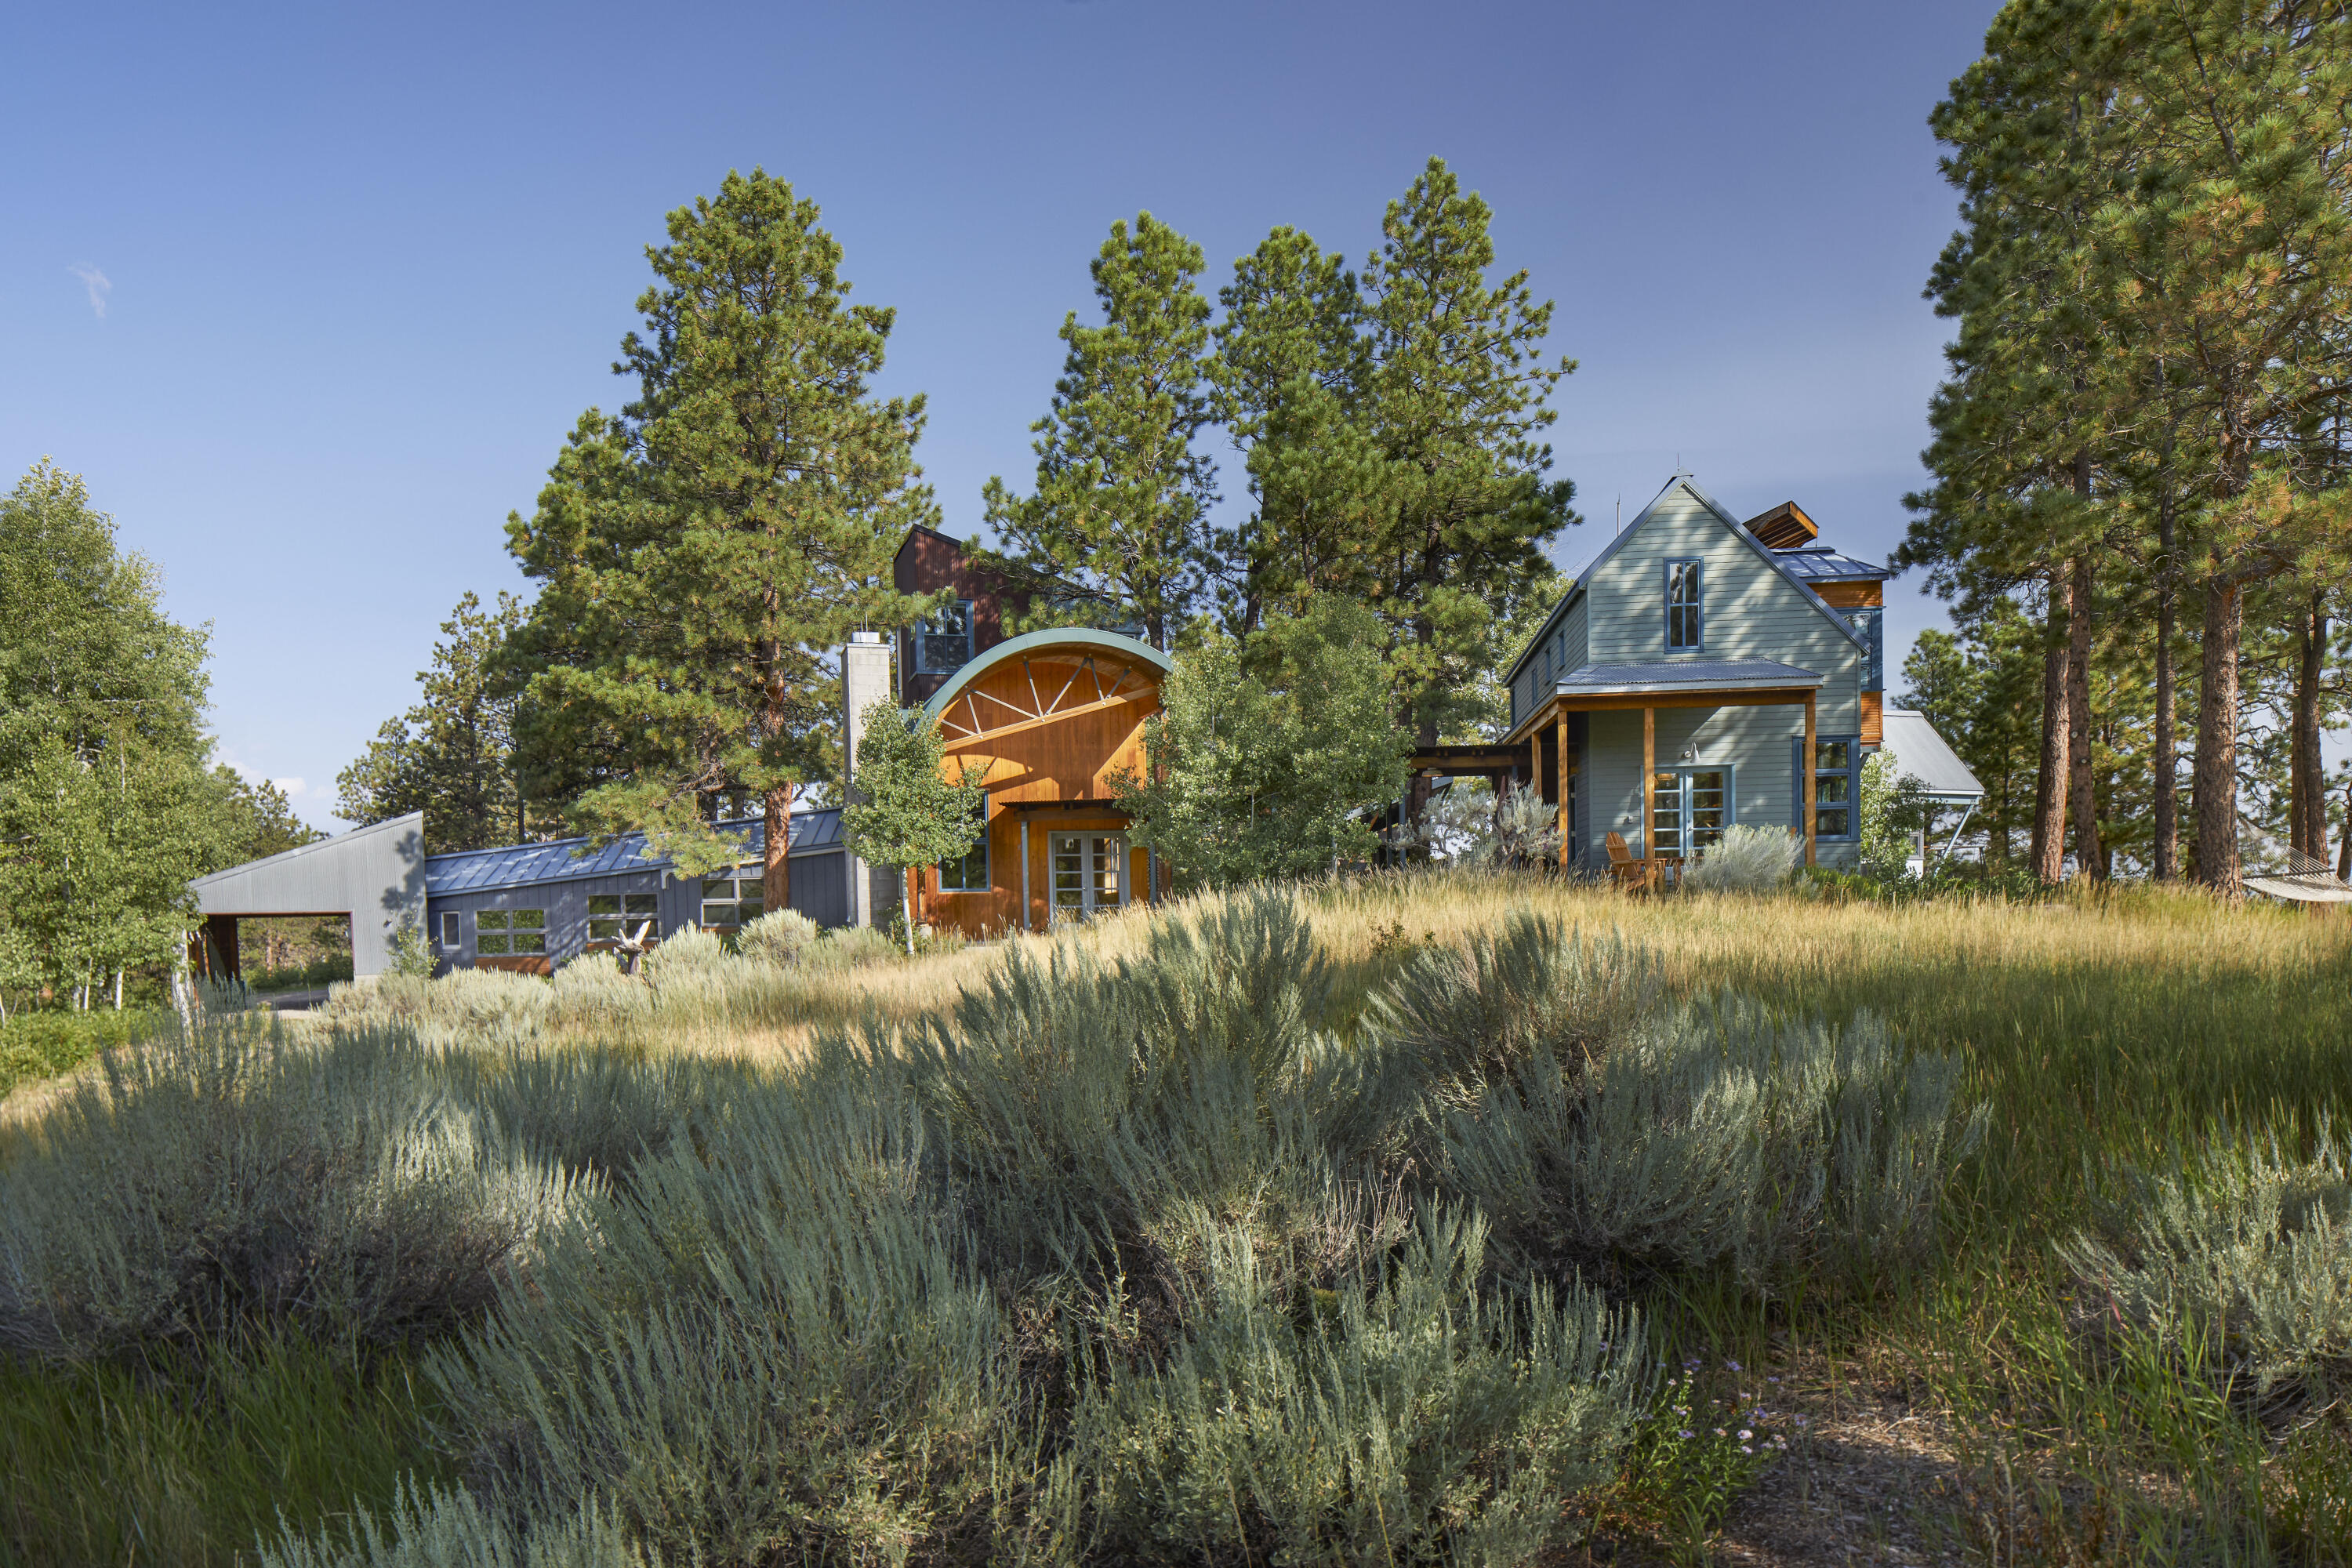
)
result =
(1417, 1219)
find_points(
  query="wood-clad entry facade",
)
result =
(1052, 719)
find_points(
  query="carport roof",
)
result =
(571, 859)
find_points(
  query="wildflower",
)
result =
(1691, 1365)
(1718, 1431)
(1683, 1432)
(1732, 1365)
(1744, 1433)
(1745, 1449)
(1768, 1380)
(1800, 1420)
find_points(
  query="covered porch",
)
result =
(1544, 749)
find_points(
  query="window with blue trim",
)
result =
(967, 874)
(1685, 594)
(943, 643)
(1837, 787)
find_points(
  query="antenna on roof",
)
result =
(1621, 511)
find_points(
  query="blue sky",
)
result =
(310, 294)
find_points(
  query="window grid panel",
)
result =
(1685, 596)
(1668, 836)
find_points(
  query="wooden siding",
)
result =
(1874, 718)
(1851, 595)
(1756, 743)
(1069, 762)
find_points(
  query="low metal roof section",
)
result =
(527, 864)
(1775, 559)
(1029, 644)
(1921, 753)
(375, 874)
(1819, 563)
(1680, 675)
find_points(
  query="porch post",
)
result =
(1649, 783)
(1534, 768)
(1809, 779)
(1024, 871)
(1560, 717)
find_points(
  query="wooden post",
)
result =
(1560, 718)
(1649, 784)
(1027, 918)
(1534, 770)
(1809, 780)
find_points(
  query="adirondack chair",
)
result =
(1635, 873)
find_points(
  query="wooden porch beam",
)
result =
(1810, 767)
(1560, 719)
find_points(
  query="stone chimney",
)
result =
(865, 679)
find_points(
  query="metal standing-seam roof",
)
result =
(523, 865)
(1819, 563)
(1921, 753)
(1680, 675)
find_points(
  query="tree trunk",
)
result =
(2213, 777)
(2090, 859)
(775, 859)
(2049, 848)
(2168, 744)
(2343, 855)
(2306, 780)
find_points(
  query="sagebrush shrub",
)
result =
(776, 937)
(2242, 1260)
(440, 1527)
(1409, 1415)
(1747, 859)
(234, 1180)
(685, 951)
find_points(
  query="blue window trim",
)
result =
(1698, 608)
(987, 867)
(1853, 774)
(920, 634)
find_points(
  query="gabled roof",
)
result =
(1683, 482)
(1921, 753)
(523, 865)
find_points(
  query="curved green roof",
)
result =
(1033, 642)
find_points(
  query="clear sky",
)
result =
(311, 293)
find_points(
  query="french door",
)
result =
(1695, 806)
(1087, 872)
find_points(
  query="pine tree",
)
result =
(452, 755)
(1291, 373)
(1455, 405)
(1121, 503)
(704, 555)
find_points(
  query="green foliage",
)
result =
(1266, 753)
(1392, 426)
(704, 554)
(106, 808)
(38, 1045)
(907, 813)
(1697, 1452)
(452, 755)
(1122, 498)
(166, 1463)
(412, 951)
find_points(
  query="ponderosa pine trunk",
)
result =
(2168, 744)
(2306, 781)
(2049, 847)
(2083, 801)
(2343, 855)
(2213, 776)
(775, 859)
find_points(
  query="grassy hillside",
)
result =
(1396, 1219)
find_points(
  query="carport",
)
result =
(373, 876)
